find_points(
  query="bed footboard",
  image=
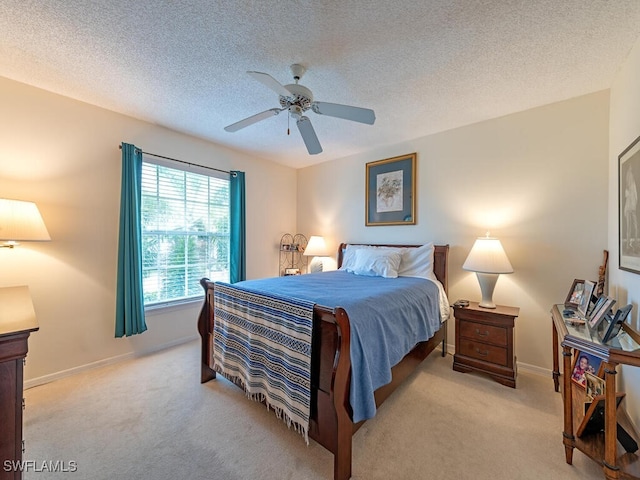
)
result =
(205, 329)
(330, 423)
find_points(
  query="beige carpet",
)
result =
(150, 418)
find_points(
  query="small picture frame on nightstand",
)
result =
(291, 271)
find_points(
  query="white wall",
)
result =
(536, 179)
(63, 155)
(624, 128)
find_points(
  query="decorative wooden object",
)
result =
(331, 425)
(601, 447)
(602, 274)
(17, 321)
(485, 341)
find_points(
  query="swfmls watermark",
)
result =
(51, 466)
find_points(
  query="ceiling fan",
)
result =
(297, 99)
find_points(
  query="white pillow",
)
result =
(348, 257)
(376, 262)
(417, 262)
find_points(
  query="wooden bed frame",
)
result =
(330, 424)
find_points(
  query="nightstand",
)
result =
(485, 342)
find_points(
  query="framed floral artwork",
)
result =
(390, 191)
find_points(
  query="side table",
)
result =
(485, 341)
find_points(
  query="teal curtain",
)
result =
(129, 298)
(237, 235)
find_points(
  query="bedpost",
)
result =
(340, 391)
(205, 329)
(441, 270)
(444, 339)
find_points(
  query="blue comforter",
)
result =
(388, 317)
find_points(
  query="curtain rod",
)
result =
(233, 174)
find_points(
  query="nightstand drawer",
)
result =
(482, 351)
(483, 333)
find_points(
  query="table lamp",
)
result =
(317, 249)
(21, 222)
(488, 259)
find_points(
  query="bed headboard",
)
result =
(440, 259)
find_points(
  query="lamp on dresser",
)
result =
(488, 259)
(21, 221)
(316, 248)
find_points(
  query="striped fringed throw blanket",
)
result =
(262, 342)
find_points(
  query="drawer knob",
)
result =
(481, 353)
(482, 334)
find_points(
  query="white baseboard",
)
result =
(34, 382)
(526, 367)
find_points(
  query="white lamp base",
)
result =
(316, 265)
(487, 283)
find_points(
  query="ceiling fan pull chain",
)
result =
(288, 119)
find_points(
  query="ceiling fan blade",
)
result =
(347, 112)
(309, 136)
(270, 82)
(234, 127)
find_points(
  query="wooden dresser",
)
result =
(17, 321)
(485, 341)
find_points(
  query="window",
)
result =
(185, 232)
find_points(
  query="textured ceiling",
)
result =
(424, 66)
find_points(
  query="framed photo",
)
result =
(597, 305)
(584, 363)
(616, 323)
(600, 312)
(628, 231)
(594, 386)
(575, 294)
(585, 299)
(291, 271)
(391, 191)
(593, 421)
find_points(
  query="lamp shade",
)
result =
(21, 221)
(316, 247)
(487, 256)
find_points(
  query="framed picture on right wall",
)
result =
(628, 230)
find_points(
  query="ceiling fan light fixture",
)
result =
(296, 111)
(297, 99)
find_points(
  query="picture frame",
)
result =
(391, 191)
(628, 224)
(597, 305)
(575, 294)
(593, 421)
(616, 323)
(291, 271)
(585, 299)
(599, 314)
(592, 365)
(595, 386)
